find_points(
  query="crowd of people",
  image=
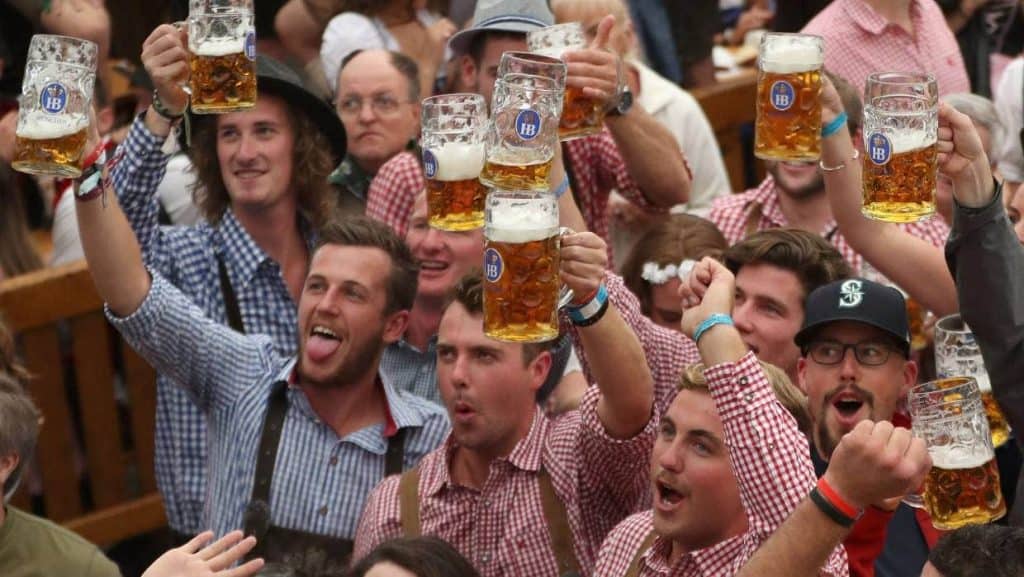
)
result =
(728, 392)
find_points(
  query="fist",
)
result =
(876, 462)
(710, 290)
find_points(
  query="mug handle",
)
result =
(565, 295)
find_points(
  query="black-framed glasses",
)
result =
(381, 104)
(867, 353)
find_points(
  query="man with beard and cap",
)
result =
(296, 442)
(793, 193)
(262, 188)
(854, 366)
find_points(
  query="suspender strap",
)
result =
(753, 221)
(230, 300)
(634, 567)
(558, 525)
(257, 517)
(393, 459)
(409, 502)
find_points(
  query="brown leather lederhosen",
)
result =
(554, 513)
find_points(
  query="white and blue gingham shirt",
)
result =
(413, 370)
(321, 481)
(187, 258)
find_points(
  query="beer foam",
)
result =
(952, 457)
(908, 141)
(791, 59)
(507, 224)
(42, 126)
(458, 161)
(220, 47)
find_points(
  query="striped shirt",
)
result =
(771, 460)
(501, 527)
(320, 481)
(187, 258)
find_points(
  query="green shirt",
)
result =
(31, 546)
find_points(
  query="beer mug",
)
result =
(957, 355)
(222, 55)
(523, 133)
(453, 131)
(788, 125)
(53, 114)
(532, 64)
(581, 115)
(962, 487)
(901, 122)
(522, 288)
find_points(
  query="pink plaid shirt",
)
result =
(771, 460)
(501, 528)
(595, 163)
(667, 352)
(859, 42)
(731, 213)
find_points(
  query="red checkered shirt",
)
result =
(667, 352)
(771, 460)
(731, 214)
(501, 527)
(859, 42)
(595, 162)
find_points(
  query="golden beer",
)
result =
(581, 115)
(521, 288)
(50, 149)
(916, 316)
(998, 427)
(512, 176)
(961, 489)
(455, 197)
(900, 173)
(788, 125)
(223, 78)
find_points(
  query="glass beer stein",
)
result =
(901, 122)
(962, 487)
(581, 115)
(522, 288)
(957, 355)
(53, 114)
(222, 55)
(788, 124)
(523, 133)
(453, 131)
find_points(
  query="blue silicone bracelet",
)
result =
(715, 319)
(564, 186)
(834, 126)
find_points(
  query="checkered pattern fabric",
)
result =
(320, 481)
(859, 42)
(187, 258)
(501, 527)
(771, 460)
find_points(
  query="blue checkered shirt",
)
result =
(412, 370)
(187, 258)
(320, 481)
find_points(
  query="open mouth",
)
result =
(667, 494)
(433, 265)
(322, 343)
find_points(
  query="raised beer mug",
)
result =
(957, 354)
(901, 123)
(522, 286)
(962, 487)
(453, 130)
(222, 55)
(523, 133)
(531, 64)
(581, 115)
(788, 125)
(53, 113)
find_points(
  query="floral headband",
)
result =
(655, 274)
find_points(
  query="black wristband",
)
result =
(159, 108)
(829, 510)
(593, 318)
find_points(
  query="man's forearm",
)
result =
(652, 156)
(799, 547)
(618, 366)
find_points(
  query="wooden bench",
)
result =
(98, 400)
(729, 105)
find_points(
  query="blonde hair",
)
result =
(790, 397)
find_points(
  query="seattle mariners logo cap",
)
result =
(858, 300)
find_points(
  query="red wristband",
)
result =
(838, 502)
(91, 158)
(586, 299)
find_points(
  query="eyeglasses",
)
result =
(867, 353)
(381, 104)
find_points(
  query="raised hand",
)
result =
(596, 69)
(213, 560)
(584, 261)
(962, 158)
(710, 290)
(165, 56)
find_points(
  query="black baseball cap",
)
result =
(858, 300)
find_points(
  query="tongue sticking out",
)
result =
(319, 348)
